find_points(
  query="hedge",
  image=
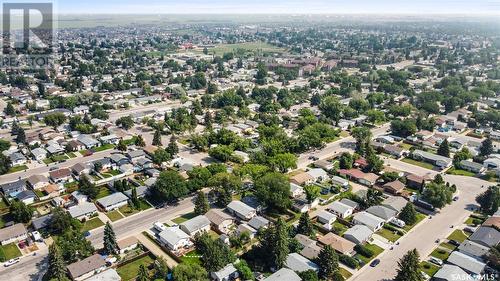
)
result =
(362, 250)
(349, 261)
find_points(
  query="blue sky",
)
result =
(280, 6)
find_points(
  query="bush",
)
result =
(362, 250)
(392, 228)
(349, 261)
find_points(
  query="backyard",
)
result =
(129, 271)
(193, 257)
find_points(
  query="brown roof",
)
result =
(127, 242)
(414, 178)
(217, 216)
(395, 186)
(492, 221)
(61, 173)
(34, 179)
(301, 178)
(311, 251)
(85, 266)
(338, 243)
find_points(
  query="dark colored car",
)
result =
(454, 243)
(375, 262)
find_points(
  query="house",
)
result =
(395, 151)
(296, 190)
(78, 197)
(258, 222)
(196, 225)
(141, 191)
(241, 210)
(414, 181)
(17, 158)
(86, 268)
(83, 211)
(227, 273)
(394, 187)
(12, 188)
(39, 154)
(492, 222)
(326, 217)
(88, 141)
(492, 163)
(221, 221)
(26, 196)
(374, 223)
(349, 203)
(473, 249)
(143, 164)
(486, 236)
(324, 164)
(339, 244)
(136, 154)
(367, 179)
(358, 234)
(283, 274)
(106, 275)
(75, 145)
(385, 139)
(110, 139)
(311, 251)
(246, 228)
(81, 168)
(38, 181)
(449, 272)
(437, 160)
(81, 109)
(472, 166)
(174, 238)
(341, 210)
(382, 212)
(299, 263)
(127, 244)
(13, 233)
(339, 181)
(113, 201)
(61, 175)
(302, 179)
(318, 174)
(466, 262)
(395, 203)
(41, 222)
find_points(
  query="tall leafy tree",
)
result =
(142, 275)
(444, 149)
(189, 272)
(363, 136)
(110, 244)
(5, 164)
(121, 146)
(172, 148)
(278, 242)
(9, 109)
(408, 214)
(438, 195)
(169, 186)
(201, 205)
(157, 138)
(486, 147)
(74, 246)
(139, 141)
(21, 136)
(216, 254)
(273, 189)
(409, 267)
(20, 211)
(331, 107)
(86, 187)
(56, 265)
(305, 226)
(489, 200)
(328, 262)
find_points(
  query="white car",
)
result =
(436, 261)
(11, 262)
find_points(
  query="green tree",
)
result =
(486, 147)
(86, 187)
(21, 136)
(136, 203)
(160, 156)
(244, 270)
(363, 136)
(216, 254)
(169, 186)
(328, 262)
(283, 162)
(444, 149)
(489, 200)
(189, 272)
(139, 141)
(20, 211)
(463, 154)
(142, 275)
(438, 195)
(346, 161)
(312, 192)
(305, 226)
(409, 269)
(121, 146)
(280, 240)
(273, 189)
(172, 148)
(9, 109)
(126, 122)
(110, 244)
(54, 119)
(408, 214)
(201, 205)
(157, 138)
(5, 164)
(61, 221)
(331, 107)
(74, 246)
(309, 275)
(56, 266)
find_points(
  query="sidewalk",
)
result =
(156, 250)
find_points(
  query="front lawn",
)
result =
(418, 163)
(92, 224)
(129, 271)
(71, 155)
(429, 268)
(57, 158)
(389, 234)
(420, 217)
(345, 273)
(376, 250)
(440, 253)
(458, 235)
(104, 147)
(9, 251)
(184, 218)
(459, 172)
(17, 169)
(127, 210)
(114, 215)
(448, 246)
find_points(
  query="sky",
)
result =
(469, 7)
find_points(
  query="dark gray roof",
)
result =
(41, 222)
(13, 186)
(487, 236)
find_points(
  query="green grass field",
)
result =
(258, 46)
(184, 218)
(376, 250)
(192, 257)
(127, 210)
(92, 224)
(458, 235)
(9, 251)
(114, 215)
(418, 163)
(104, 147)
(420, 217)
(17, 169)
(345, 273)
(429, 268)
(459, 172)
(103, 192)
(389, 235)
(130, 270)
(440, 253)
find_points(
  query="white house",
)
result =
(196, 225)
(340, 209)
(113, 201)
(174, 238)
(241, 210)
(14, 233)
(372, 222)
(296, 190)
